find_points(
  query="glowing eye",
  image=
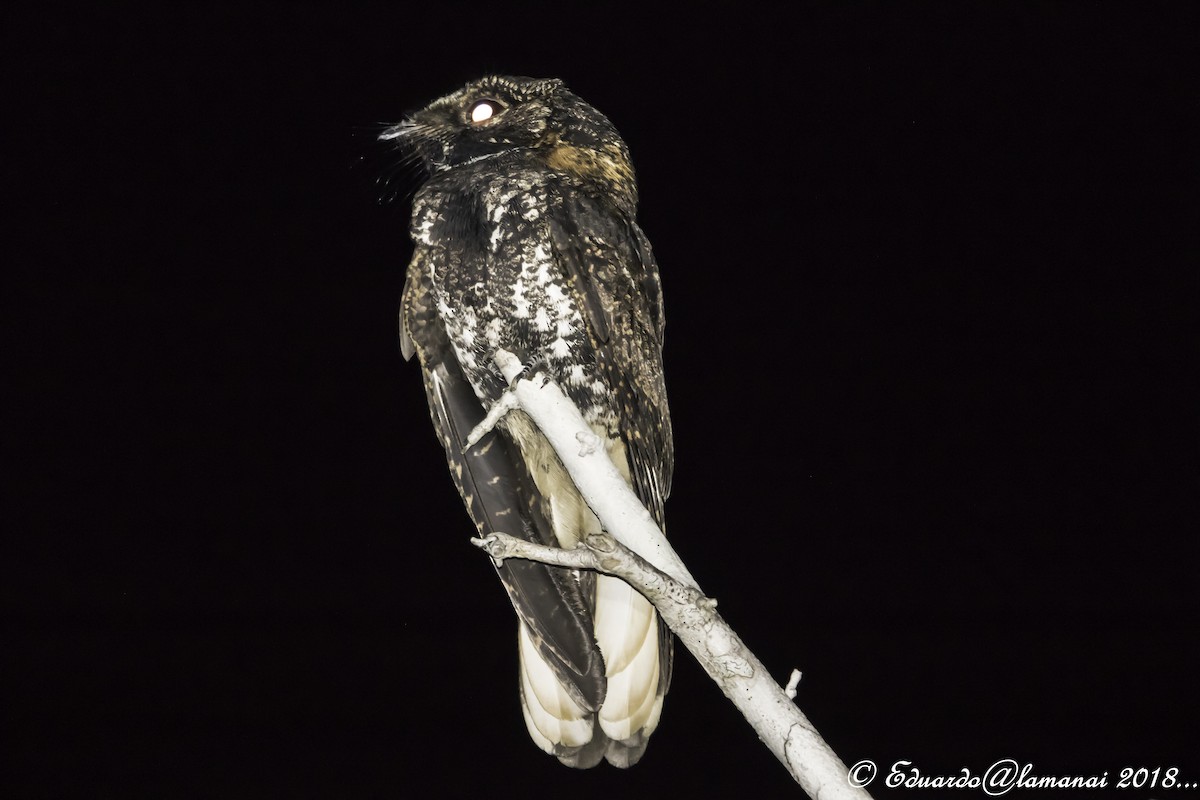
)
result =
(485, 110)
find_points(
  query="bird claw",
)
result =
(526, 372)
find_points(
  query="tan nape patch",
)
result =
(608, 165)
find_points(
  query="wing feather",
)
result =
(500, 495)
(611, 265)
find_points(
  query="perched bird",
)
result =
(525, 239)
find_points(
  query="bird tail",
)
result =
(631, 639)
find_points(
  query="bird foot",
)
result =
(527, 371)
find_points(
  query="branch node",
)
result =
(735, 665)
(506, 403)
(491, 545)
(600, 542)
(793, 682)
(588, 443)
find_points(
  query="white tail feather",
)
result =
(629, 704)
(625, 627)
(622, 619)
(552, 717)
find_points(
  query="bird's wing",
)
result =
(500, 496)
(615, 277)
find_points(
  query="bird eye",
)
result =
(484, 110)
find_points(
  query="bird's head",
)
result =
(501, 114)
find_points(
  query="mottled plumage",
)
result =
(525, 239)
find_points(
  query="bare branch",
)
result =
(506, 403)
(602, 487)
(793, 682)
(635, 550)
(501, 546)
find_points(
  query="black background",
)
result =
(930, 357)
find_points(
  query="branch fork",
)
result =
(634, 549)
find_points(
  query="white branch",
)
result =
(602, 487)
(506, 403)
(793, 682)
(638, 553)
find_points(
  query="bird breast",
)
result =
(498, 284)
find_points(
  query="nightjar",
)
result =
(525, 239)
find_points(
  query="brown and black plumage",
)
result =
(525, 239)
